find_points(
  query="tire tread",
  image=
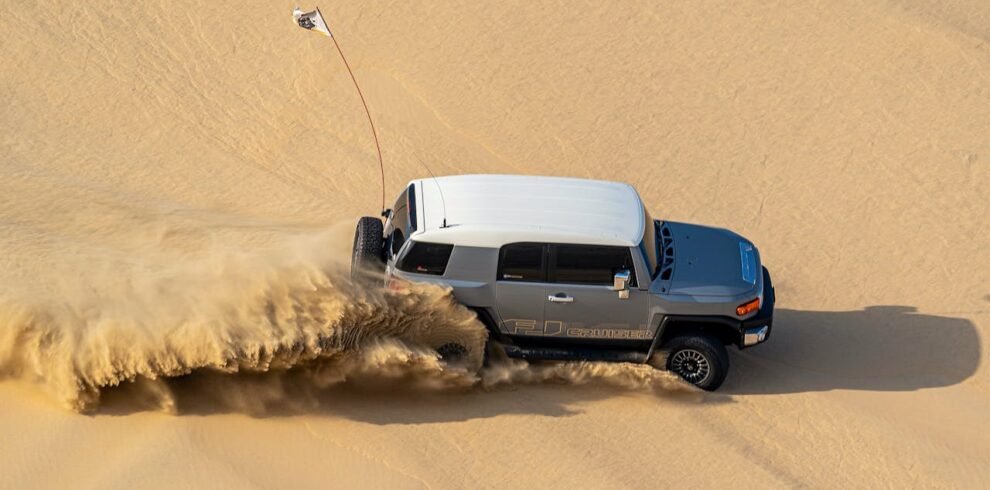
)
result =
(710, 347)
(367, 253)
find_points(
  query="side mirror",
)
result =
(620, 283)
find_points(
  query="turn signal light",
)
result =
(747, 308)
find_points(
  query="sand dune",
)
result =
(173, 175)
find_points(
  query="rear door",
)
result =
(520, 288)
(580, 301)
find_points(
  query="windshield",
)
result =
(649, 244)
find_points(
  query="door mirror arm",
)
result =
(620, 283)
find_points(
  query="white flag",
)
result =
(311, 20)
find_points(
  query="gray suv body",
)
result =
(574, 269)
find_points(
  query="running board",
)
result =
(551, 354)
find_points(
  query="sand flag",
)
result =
(311, 20)
(314, 21)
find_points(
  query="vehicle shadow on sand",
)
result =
(880, 348)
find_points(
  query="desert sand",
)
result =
(179, 180)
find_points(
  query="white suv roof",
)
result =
(492, 210)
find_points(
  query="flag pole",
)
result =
(364, 103)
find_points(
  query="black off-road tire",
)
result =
(452, 353)
(367, 257)
(698, 359)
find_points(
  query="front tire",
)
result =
(368, 251)
(699, 360)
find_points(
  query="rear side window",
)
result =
(522, 262)
(394, 243)
(590, 264)
(411, 204)
(404, 211)
(426, 258)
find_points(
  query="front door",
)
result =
(580, 302)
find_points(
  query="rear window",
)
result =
(590, 264)
(522, 262)
(426, 258)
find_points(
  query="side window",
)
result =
(590, 264)
(522, 262)
(403, 214)
(411, 202)
(426, 258)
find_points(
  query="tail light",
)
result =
(396, 284)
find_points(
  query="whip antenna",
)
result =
(443, 203)
(314, 21)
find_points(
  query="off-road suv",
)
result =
(572, 269)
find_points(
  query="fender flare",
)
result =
(669, 319)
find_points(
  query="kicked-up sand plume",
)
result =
(289, 320)
(231, 313)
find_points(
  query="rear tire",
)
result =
(453, 353)
(367, 257)
(698, 359)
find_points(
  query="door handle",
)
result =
(560, 299)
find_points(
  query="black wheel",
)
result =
(367, 255)
(699, 360)
(452, 353)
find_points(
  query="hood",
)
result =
(712, 261)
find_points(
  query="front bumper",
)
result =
(757, 329)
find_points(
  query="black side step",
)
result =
(552, 354)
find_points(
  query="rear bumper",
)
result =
(757, 329)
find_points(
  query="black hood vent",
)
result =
(666, 252)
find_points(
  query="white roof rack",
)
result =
(492, 210)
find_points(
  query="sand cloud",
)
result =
(275, 326)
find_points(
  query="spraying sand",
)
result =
(290, 311)
(234, 312)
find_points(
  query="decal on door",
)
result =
(532, 327)
(557, 328)
(609, 333)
